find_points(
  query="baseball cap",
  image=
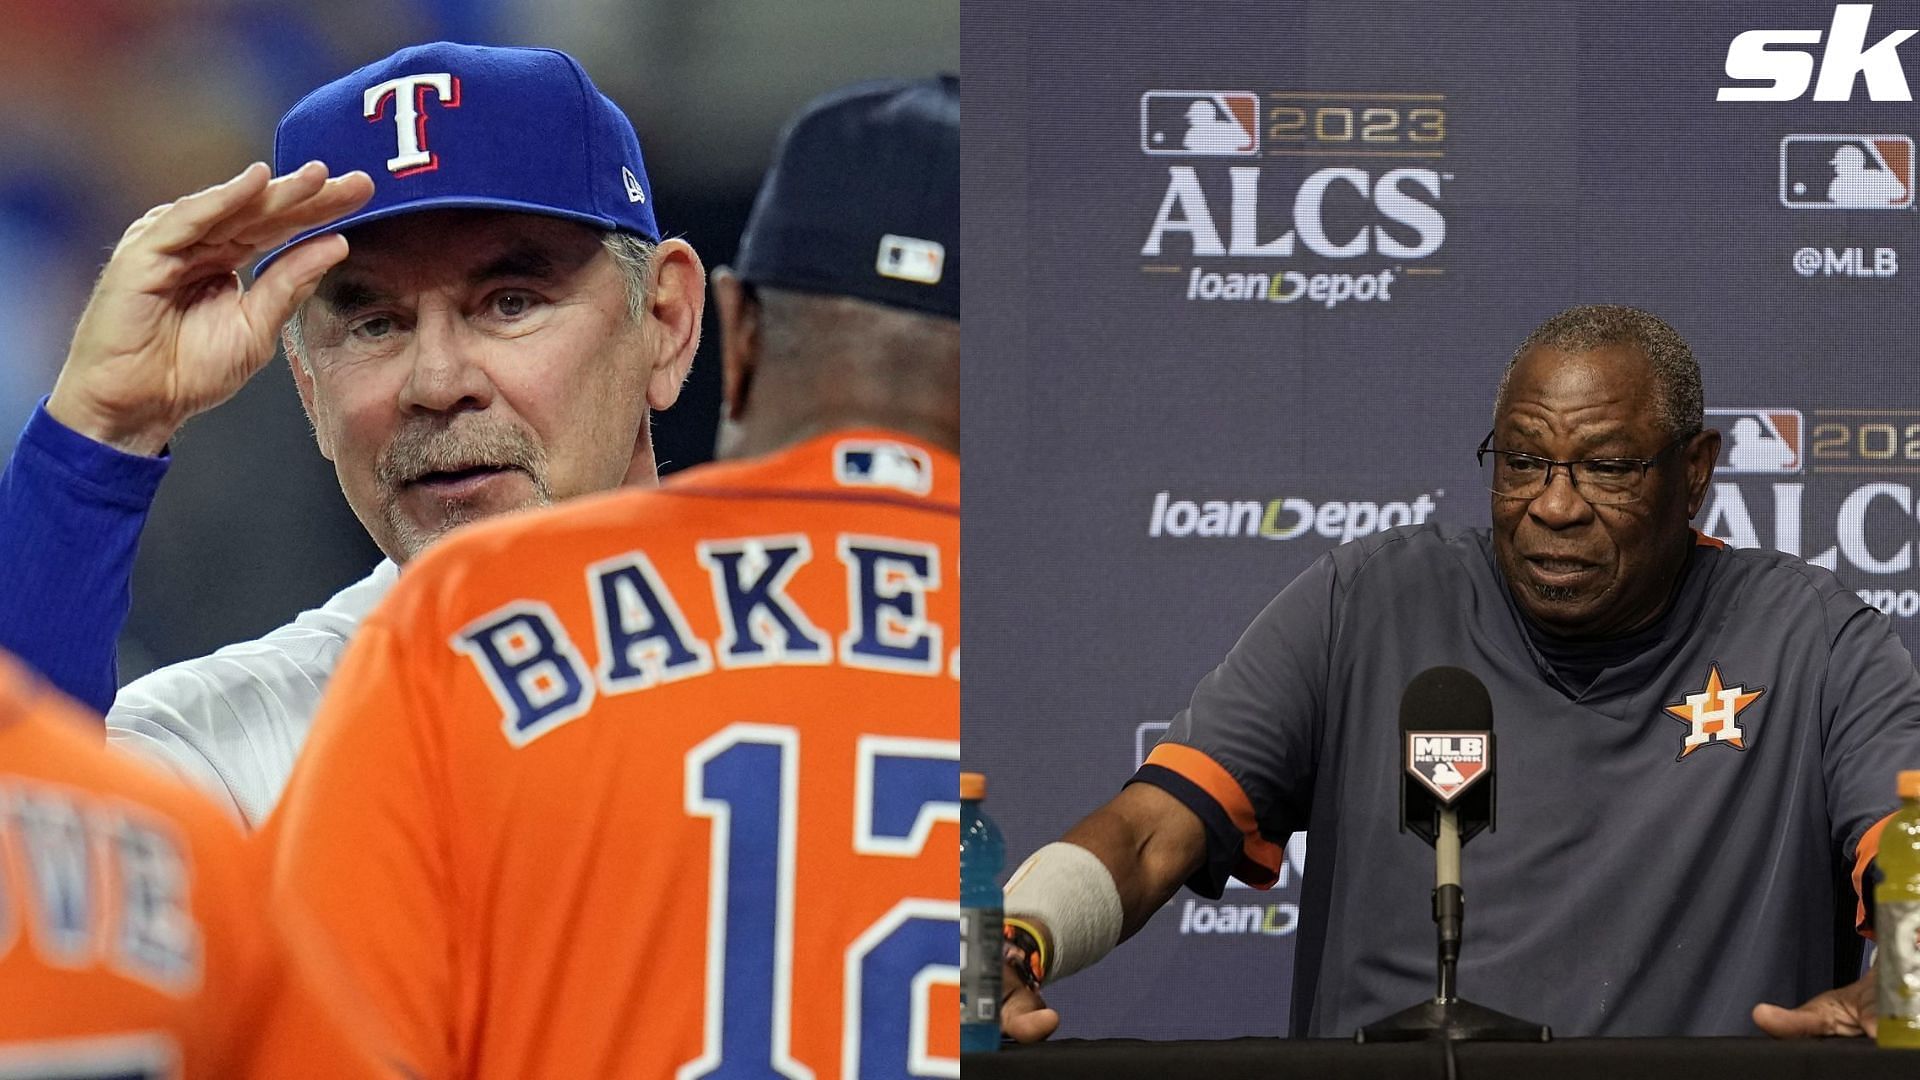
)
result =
(863, 198)
(446, 125)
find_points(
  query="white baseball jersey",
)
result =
(232, 722)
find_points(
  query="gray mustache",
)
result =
(423, 449)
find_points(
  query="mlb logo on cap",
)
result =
(445, 126)
(911, 259)
(1218, 122)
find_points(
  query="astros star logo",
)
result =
(1711, 713)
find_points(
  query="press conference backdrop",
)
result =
(1241, 281)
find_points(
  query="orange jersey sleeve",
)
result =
(134, 940)
(659, 783)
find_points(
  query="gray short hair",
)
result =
(1680, 400)
(631, 254)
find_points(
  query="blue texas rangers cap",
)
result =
(446, 125)
(863, 198)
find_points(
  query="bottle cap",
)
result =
(973, 785)
(1907, 786)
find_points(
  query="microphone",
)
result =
(1446, 790)
(1446, 798)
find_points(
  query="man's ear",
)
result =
(675, 299)
(739, 317)
(303, 381)
(1702, 454)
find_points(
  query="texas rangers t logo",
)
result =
(409, 94)
(1712, 713)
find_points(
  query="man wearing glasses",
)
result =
(1697, 744)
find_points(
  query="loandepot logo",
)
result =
(1258, 204)
(1283, 518)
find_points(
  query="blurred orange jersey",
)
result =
(133, 938)
(658, 783)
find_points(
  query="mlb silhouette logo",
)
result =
(1448, 762)
(1759, 440)
(1218, 123)
(909, 258)
(1846, 172)
(883, 465)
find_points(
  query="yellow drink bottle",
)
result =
(1896, 919)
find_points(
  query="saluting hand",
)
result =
(169, 332)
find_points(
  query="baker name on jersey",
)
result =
(642, 637)
(98, 884)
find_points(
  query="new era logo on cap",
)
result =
(911, 259)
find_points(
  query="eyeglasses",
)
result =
(1600, 481)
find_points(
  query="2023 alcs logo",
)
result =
(1236, 197)
(1856, 468)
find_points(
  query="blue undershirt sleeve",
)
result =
(71, 511)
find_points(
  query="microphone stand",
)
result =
(1447, 1016)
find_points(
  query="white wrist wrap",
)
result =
(1069, 889)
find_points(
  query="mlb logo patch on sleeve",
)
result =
(1220, 122)
(883, 465)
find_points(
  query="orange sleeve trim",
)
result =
(1222, 788)
(1863, 853)
(1701, 539)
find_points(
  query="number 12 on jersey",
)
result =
(745, 781)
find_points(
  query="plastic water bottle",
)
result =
(1896, 917)
(982, 854)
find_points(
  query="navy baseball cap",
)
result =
(446, 125)
(863, 198)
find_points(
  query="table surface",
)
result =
(1562, 1059)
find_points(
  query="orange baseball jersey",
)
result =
(133, 940)
(659, 783)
